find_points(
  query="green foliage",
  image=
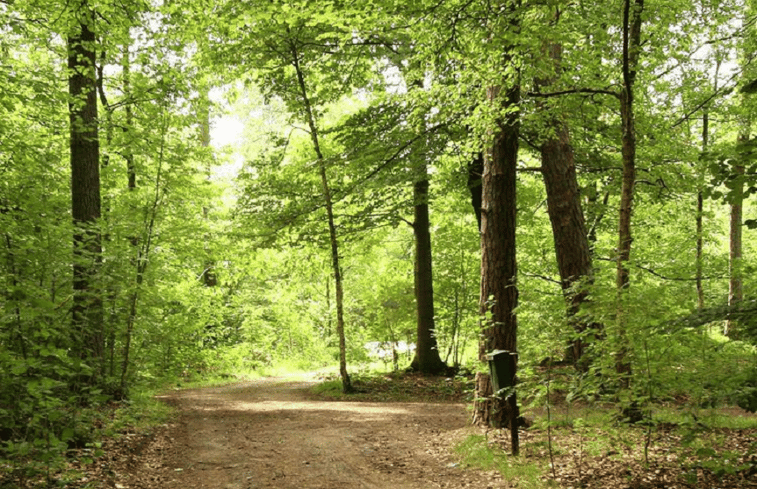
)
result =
(391, 88)
(475, 451)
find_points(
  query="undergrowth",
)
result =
(475, 451)
(397, 387)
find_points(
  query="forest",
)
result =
(201, 189)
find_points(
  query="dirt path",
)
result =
(269, 434)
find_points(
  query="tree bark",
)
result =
(209, 276)
(566, 215)
(700, 251)
(87, 309)
(475, 170)
(700, 205)
(328, 201)
(499, 292)
(427, 358)
(735, 284)
(631, 49)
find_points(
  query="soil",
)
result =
(272, 433)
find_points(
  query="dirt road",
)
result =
(270, 433)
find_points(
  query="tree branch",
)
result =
(588, 91)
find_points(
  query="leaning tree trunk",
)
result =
(328, 201)
(566, 215)
(87, 309)
(499, 293)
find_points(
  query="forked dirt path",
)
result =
(270, 433)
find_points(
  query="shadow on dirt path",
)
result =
(268, 433)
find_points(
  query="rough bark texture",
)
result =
(566, 215)
(427, 359)
(87, 310)
(481, 404)
(499, 293)
(568, 229)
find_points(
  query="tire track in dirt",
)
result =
(268, 433)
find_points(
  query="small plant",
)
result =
(475, 451)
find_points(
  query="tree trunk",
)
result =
(735, 284)
(499, 293)
(87, 309)
(346, 383)
(475, 170)
(700, 205)
(209, 277)
(569, 231)
(427, 359)
(631, 49)
(567, 218)
(700, 250)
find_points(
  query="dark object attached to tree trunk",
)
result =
(499, 292)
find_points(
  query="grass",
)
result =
(711, 418)
(396, 387)
(141, 412)
(475, 451)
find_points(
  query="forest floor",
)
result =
(273, 433)
(282, 433)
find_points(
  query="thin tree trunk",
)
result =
(475, 170)
(87, 310)
(131, 185)
(339, 292)
(700, 211)
(700, 251)
(631, 49)
(111, 294)
(700, 200)
(142, 259)
(735, 284)
(209, 277)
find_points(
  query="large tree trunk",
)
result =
(569, 231)
(571, 238)
(87, 310)
(427, 359)
(499, 293)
